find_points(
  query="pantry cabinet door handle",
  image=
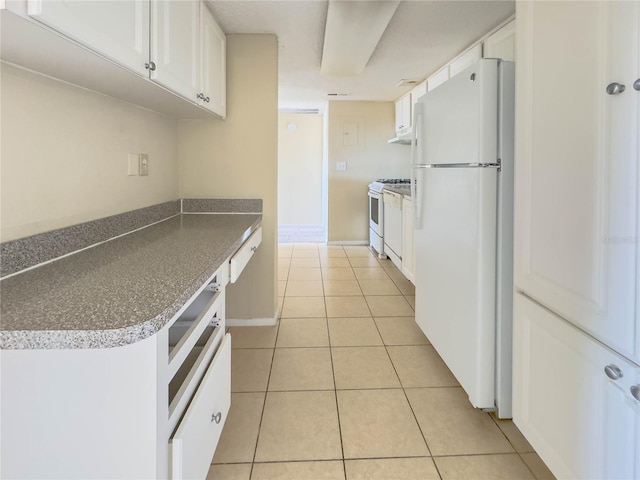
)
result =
(613, 372)
(615, 88)
(216, 417)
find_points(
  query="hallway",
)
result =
(347, 386)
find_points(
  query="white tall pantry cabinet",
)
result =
(576, 324)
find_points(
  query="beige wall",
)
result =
(64, 155)
(358, 134)
(237, 158)
(300, 170)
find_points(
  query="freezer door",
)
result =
(459, 121)
(456, 273)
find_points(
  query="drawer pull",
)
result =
(216, 417)
(613, 372)
(253, 249)
(635, 391)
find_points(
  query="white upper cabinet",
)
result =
(403, 113)
(438, 78)
(175, 46)
(119, 30)
(501, 44)
(576, 221)
(213, 80)
(465, 60)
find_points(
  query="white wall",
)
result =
(237, 158)
(300, 169)
(358, 134)
(64, 155)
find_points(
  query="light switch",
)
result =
(134, 164)
(144, 164)
(341, 166)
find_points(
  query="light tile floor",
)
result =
(347, 387)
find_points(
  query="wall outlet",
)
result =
(144, 164)
(341, 166)
(133, 164)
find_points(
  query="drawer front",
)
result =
(242, 256)
(194, 443)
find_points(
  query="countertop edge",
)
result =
(103, 339)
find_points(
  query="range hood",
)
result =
(403, 137)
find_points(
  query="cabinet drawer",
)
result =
(244, 254)
(206, 310)
(195, 440)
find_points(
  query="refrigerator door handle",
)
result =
(417, 202)
(416, 153)
(460, 165)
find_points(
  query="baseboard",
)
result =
(349, 242)
(253, 322)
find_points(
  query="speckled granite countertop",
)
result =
(401, 189)
(121, 291)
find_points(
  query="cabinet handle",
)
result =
(150, 66)
(200, 96)
(207, 99)
(253, 249)
(613, 372)
(635, 391)
(216, 417)
(636, 85)
(615, 88)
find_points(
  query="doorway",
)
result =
(301, 202)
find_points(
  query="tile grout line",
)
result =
(333, 374)
(264, 402)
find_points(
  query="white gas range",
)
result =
(376, 211)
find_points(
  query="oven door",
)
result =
(375, 212)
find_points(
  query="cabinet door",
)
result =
(212, 64)
(465, 60)
(408, 257)
(416, 94)
(403, 113)
(438, 78)
(501, 44)
(406, 110)
(577, 164)
(175, 46)
(399, 124)
(583, 424)
(118, 30)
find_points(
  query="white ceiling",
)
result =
(422, 36)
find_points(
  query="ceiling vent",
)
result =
(407, 83)
(338, 94)
(300, 111)
(352, 32)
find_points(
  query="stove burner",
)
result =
(394, 181)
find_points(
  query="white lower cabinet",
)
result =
(584, 424)
(392, 205)
(408, 254)
(151, 409)
(197, 436)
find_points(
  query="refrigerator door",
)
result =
(456, 272)
(459, 116)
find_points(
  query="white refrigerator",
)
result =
(462, 180)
